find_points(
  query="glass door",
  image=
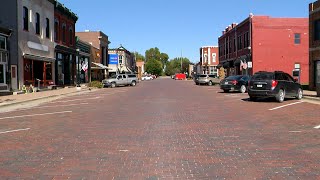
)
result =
(2, 74)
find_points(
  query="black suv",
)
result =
(236, 83)
(276, 84)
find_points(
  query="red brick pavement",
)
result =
(162, 129)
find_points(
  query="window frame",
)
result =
(5, 43)
(37, 24)
(56, 30)
(297, 40)
(64, 29)
(25, 18)
(47, 28)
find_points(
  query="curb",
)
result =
(311, 98)
(36, 99)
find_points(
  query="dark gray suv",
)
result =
(277, 84)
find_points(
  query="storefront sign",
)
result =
(113, 58)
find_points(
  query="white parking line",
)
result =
(232, 95)
(317, 127)
(15, 131)
(75, 100)
(54, 106)
(31, 115)
(285, 105)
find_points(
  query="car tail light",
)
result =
(274, 84)
(234, 82)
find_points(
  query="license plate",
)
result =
(259, 85)
(226, 83)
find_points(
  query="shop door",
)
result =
(14, 80)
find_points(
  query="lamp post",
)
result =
(78, 68)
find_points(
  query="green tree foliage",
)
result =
(139, 57)
(154, 66)
(154, 53)
(174, 66)
(164, 58)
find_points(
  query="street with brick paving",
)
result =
(161, 129)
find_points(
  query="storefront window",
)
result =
(3, 43)
(48, 71)
(2, 73)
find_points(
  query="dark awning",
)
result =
(219, 66)
(226, 65)
(237, 62)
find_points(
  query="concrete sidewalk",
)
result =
(23, 98)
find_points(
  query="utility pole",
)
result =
(181, 61)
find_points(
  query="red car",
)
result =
(180, 76)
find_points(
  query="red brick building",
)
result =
(64, 37)
(263, 43)
(209, 59)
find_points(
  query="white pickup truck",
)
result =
(120, 80)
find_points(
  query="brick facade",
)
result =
(268, 44)
(209, 59)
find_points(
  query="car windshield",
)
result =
(262, 76)
(113, 76)
(233, 77)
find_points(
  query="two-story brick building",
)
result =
(65, 45)
(209, 59)
(124, 61)
(314, 42)
(263, 43)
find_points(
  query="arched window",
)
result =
(38, 23)
(25, 18)
(47, 28)
(64, 32)
(70, 36)
(56, 30)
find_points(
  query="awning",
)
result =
(219, 66)
(226, 65)
(38, 58)
(100, 66)
(237, 62)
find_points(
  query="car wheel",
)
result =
(113, 85)
(280, 96)
(299, 94)
(210, 83)
(243, 89)
(226, 91)
(133, 83)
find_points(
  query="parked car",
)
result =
(180, 76)
(146, 78)
(235, 83)
(277, 84)
(120, 80)
(208, 79)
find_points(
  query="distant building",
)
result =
(141, 69)
(83, 61)
(100, 41)
(121, 61)
(209, 59)
(263, 43)
(314, 51)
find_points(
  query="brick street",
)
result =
(161, 129)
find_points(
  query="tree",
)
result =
(174, 66)
(154, 66)
(164, 58)
(139, 57)
(153, 53)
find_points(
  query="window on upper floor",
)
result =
(64, 33)
(47, 28)
(248, 39)
(316, 30)
(120, 59)
(38, 23)
(239, 42)
(234, 45)
(25, 19)
(3, 43)
(70, 36)
(56, 30)
(297, 38)
(214, 57)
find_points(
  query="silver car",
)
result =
(208, 79)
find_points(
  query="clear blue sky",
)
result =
(174, 26)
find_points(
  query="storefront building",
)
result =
(263, 43)
(83, 62)
(36, 46)
(209, 59)
(4, 59)
(314, 51)
(65, 45)
(121, 61)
